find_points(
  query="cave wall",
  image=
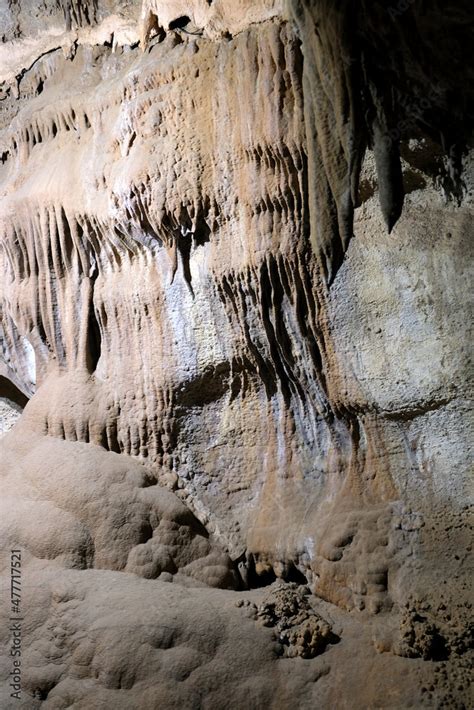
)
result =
(158, 244)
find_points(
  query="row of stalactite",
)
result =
(44, 129)
(79, 12)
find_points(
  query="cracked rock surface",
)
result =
(235, 339)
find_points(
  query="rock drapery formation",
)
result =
(234, 254)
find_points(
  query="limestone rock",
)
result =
(300, 629)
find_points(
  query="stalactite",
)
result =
(359, 93)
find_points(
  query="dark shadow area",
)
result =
(180, 23)
(94, 341)
(256, 581)
(207, 387)
(9, 391)
(294, 575)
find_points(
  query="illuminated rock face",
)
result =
(197, 273)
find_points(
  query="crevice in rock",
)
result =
(10, 391)
(257, 581)
(180, 23)
(94, 339)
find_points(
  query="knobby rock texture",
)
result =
(235, 377)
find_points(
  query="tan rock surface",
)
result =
(236, 374)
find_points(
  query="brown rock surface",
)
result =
(242, 387)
